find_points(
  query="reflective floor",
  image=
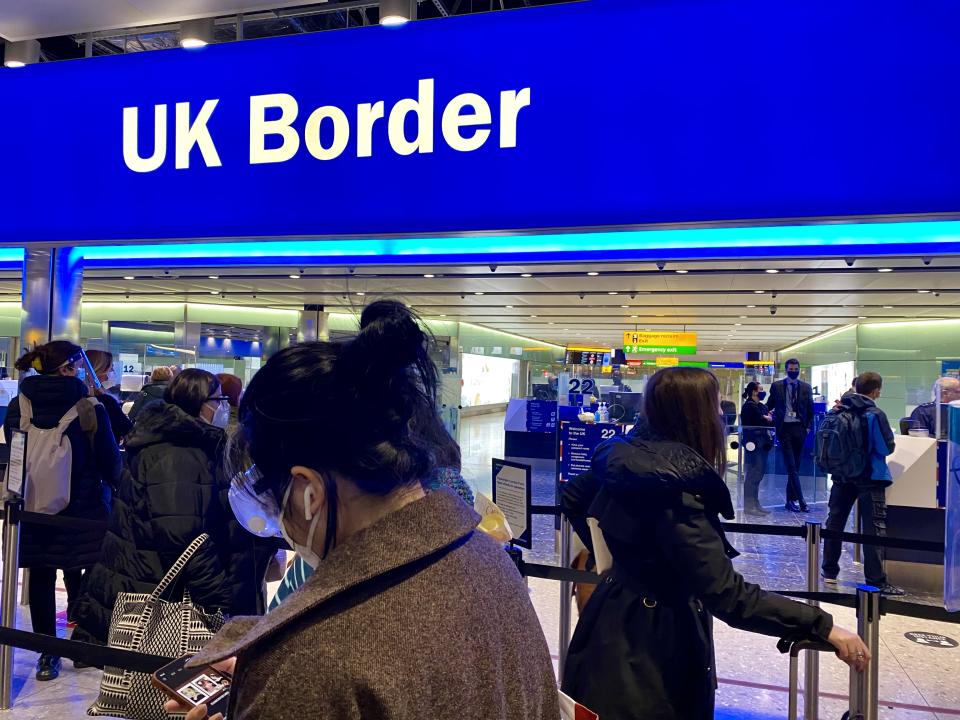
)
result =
(917, 682)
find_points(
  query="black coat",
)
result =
(643, 647)
(119, 422)
(95, 469)
(752, 419)
(169, 494)
(777, 403)
(150, 392)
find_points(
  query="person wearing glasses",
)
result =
(169, 494)
(45, 399)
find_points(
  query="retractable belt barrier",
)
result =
(96, 655)
(68, 523)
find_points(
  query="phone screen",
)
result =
(195, 686)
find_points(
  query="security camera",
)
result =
(926, 260)
(582, 295)
(633, 296)
(773, 309)
(661, 264)
(850, 261)
(774, 294)
(349, 270)
(493, 268)
(463, 296)
(936, 294)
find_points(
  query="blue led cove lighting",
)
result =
(836, 240)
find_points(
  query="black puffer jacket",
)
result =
(643, 647)
(150, 392)
(95, 469)
(168, 496)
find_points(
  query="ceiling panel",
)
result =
(27, 19)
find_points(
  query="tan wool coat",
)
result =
(417, 616)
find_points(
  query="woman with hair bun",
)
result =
(47, 397)
(410, 611)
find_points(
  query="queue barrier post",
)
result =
(864, 687)
(8, 593)
(811, 678)
(566, 593)
(857, 528)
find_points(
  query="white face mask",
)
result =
(306, 552)
(221, 416)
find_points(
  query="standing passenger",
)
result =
(643, 647)
(102, 363)
(45, 399)
(411, 611)
(757, 442)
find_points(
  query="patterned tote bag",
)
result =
(148, 624)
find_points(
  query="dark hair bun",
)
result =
(47, 358)
(391, 324)
(751, 386)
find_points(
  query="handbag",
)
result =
(149, 624)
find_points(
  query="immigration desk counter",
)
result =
(914, 512)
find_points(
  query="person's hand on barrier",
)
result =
(850, 648)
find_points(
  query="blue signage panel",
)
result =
(593, 114)
(542, 416)
(578, 441)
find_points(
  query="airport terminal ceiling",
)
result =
(730, 305)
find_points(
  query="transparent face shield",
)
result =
(259, 514)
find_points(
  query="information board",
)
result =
(511, 493)
(541, 416)
(578, 441)
(660, 343)
(16, 467)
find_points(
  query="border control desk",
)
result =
(914, 512)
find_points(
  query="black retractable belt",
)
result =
(96, 655)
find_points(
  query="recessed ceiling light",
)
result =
(884, 269)
(751, 306)
(550, 323)
(634, 316)
(772, 271)
(923, 292)
(759, 292)
(360, 293)
(534, 316)
(861, 317)
(526, 275)
(509, 307)
(743, 317)
(888, 307)
(681, 272)
(213, 277)
(214, 292)
(443, 315)
(429, 275)
(738, 324)
(129, 277)
(624, 306)
(478, 293)
(592, 273)
(294, 276)
(613, 292)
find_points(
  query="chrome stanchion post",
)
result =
(8, 602)
(811, 680)
(865, 686)
(740, 488)
(566, 592)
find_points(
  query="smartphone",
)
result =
(195, 686)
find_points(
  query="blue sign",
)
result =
(593, 114)
(542, 416)
(578, 441)
(726, 365)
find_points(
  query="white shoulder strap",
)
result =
(601, 553)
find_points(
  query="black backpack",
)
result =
(842, 445)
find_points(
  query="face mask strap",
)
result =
(330, 541)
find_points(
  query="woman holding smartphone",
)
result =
(376, 630)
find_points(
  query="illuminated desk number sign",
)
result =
(660, 343)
